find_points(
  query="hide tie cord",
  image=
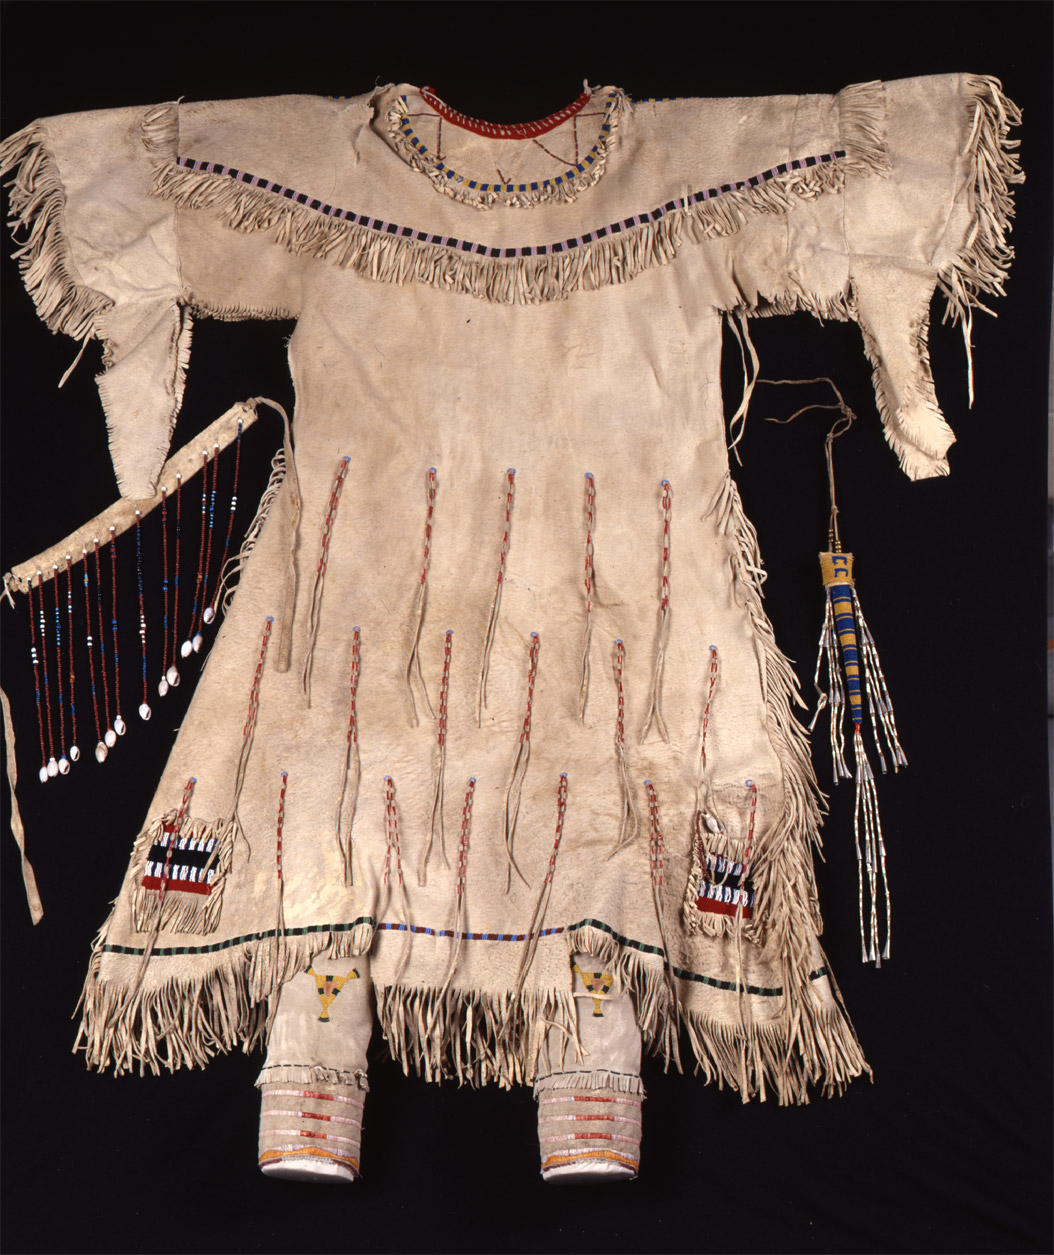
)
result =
(655, 704)
(391, 817)
(590, 520)
(495, 608)
(845, 637)
(703, 805)
(317, 590)
(458, 930)
(514, 789)
(413, 665)
(278, 940)
(534, 928)
(629, 822)
(436, 818)
(351, 753)
(656, 858)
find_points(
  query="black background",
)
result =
(949, 1149)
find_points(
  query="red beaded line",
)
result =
(52, 766)
(174, 833)
(163, 686)
(36, 687)
(331, 514)
(173, 673)
(466, 827)
(505, 130)
(492, 626)
(74, 747)
(208, 548)
(655, 705)
(413, 665)
(589, 581)
(392, 825)
(561, 811)
(187, 648)
(100, 748)
(750, 826)
(620, 721)
(254, 690)
(655, 850)
(281, 825)
(353, 720)
(706, 708)
(63, 763)
(444, 690)
(144, 709)
(210, 613)
(118, 722)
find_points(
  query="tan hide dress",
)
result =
(497, 676)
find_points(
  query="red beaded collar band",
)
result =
(502, 130)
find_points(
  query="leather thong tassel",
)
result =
(855, 677)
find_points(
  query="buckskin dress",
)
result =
(495, 740)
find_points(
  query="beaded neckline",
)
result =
(565, 185)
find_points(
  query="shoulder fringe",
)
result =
(186, 1020)
(862, 128)
(983, 261)
(615, 259)
(284, 1074)
(38, 204)
(548, 193)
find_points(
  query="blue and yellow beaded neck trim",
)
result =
(564, 186)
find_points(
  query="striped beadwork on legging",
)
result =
(311, 1122)
(585, 1126)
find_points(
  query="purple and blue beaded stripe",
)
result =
(504, 254)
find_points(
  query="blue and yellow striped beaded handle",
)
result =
(846, 638)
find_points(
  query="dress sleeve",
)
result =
(937, 216)
(98, 255)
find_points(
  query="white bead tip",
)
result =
(186, 649)
(145, 712)
(64, 766)
(196, 642)
(110, 737)
(100, 752)
(119, 726)
(209, 614)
